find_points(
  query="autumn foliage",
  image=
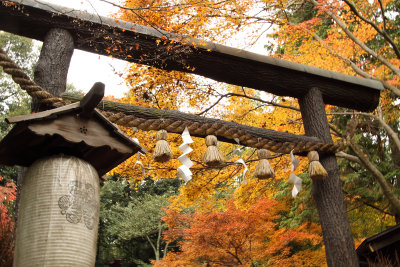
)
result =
(7, 198)
(234, 236)
(324, 34)
(218, 219)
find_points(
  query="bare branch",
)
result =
(136, 14)
(271, 103)
(388, 129)
(341, 24)
(155, 8)
(382, 32)
(212, 106)
(358, 70)
(371, 205)
(383, 14)
(380, 178)
(349, 157)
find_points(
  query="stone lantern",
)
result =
(66, 149)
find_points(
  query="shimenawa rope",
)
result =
(36, 91)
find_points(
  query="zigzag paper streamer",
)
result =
(238, 149)
(293, 177)
(138, 162)
(184, 170)
(241, 161)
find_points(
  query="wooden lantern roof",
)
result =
(77, 129)
(382, 246)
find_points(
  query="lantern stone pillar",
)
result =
(66, 150)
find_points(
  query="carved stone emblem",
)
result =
(80, 204)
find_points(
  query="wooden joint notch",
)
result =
(92, 99)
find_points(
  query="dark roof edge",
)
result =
(364, 246)
(48, 114)
(230, 51)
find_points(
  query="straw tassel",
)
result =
(212, 156)
(316, 171)
(162, 151)
(263, 169)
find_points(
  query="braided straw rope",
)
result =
(205, 129)
(171, 125)
(21, 78)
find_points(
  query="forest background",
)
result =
(216, 219)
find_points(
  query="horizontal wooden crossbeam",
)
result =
(145, 45)
(151, 119)
(171, 120)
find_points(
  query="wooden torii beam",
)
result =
(312, 86)
(107, 36)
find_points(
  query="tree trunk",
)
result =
(327, 193)
(156, 252)
(52, 68)
(165, 249)
(50, 73)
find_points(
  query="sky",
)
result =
(87, 68)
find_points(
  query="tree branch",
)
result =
(271, 103)
(165, 249)
(344, 155)
(341, 24)
(383, 14)
(380, 178)
(382, 32)
(388, 129)
(358, 70)
(152, 245)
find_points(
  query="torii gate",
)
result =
(312, 86)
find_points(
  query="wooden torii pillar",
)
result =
(327, 192)
(312, 86)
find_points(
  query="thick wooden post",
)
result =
(327, 193)
(51, 74)
(52, 68)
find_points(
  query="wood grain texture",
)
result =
(327, 193)
(77, 129)
(44, 114)
(64, 130)
(23, 147)
(92, 99)
(52, 68)
(97, 34)
(169, 116)
(74, 109)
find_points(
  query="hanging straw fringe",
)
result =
(263, 169)
(316, 171)
(162, 151)
(130, 120)
(212, 156)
